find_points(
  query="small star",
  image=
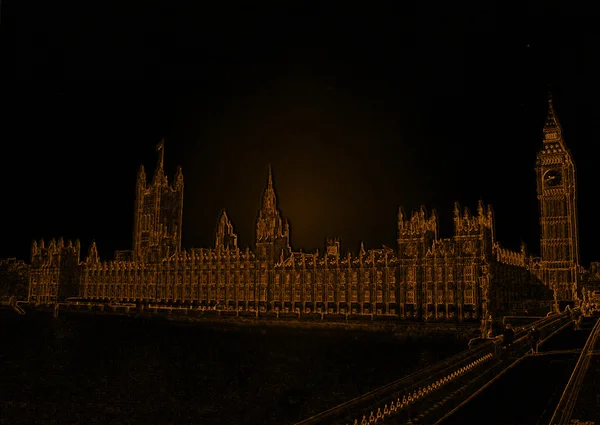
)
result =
(529, 46)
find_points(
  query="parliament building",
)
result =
(469, 276)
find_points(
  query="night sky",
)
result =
(359, 110)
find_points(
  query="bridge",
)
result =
(581, 397)
(13, 304)
(560, 384)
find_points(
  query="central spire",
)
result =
(270, 179)
(269, 202)
(272, 232)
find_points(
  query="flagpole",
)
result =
(161, 148)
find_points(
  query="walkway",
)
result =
(429, 395)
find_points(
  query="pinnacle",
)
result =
(270, 178)
(224, 214)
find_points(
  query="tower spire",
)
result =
(552, 127)
(269, 195)
(270, 179)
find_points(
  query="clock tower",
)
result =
(556, 192)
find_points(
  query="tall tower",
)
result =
(272, 234)
(556, 191)
(158, 213)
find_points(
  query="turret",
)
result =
(179, 179)
(475, 232)
(333, 247)
(78, 249)
(34, 250)
(418, 225)
(417, 233)
(225, 238)
(92, 256)
(472, 225)
(141, 177)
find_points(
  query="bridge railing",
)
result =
(396, 396)
(405, 390)
(547, 327)
(566, 404)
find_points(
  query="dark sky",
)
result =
(359, 110)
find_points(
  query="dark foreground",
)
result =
(99, 369)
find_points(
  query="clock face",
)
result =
(553, 178)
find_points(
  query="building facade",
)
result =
(468, 276)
